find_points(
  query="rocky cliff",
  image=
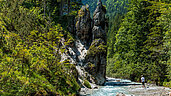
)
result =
(88, 51)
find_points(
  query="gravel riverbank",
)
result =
(150, 90)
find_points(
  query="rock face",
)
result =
(88, 52)
(83, 25)
(99, 22)
(96, 55)
(95, 61)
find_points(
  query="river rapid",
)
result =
(113, 87)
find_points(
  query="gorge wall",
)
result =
(88, 51)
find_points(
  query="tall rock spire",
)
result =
(98, 30)
(83, 24)
(89, 53)
(96, 55)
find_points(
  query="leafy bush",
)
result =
(167, 84)
(30, 54)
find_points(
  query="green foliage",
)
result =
(165, 21)
(87, 84)
(113, 29)
(90, 65)
(115, 7)
(81, 12)
(96, 48)
(141, 43)
(30, 53)
(167, 84)
(115, 12)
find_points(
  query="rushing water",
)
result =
(109, 91)
(112, 88)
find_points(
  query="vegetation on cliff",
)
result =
(97, 47)
(30, 34)
(87, 84)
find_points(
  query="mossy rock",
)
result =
(90, 65)
(91, 68)
(82, 11)
(97, 46)
(87, 84)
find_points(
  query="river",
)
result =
(110, 91)
(113, 87)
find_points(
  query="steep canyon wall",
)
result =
(88, 51)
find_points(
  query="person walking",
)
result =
(143, 80)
